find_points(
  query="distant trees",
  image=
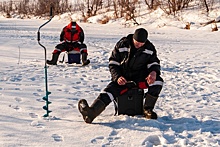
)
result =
(207, 4)
(37, 8)
(126, 9)
(173, 6)
(152, 4)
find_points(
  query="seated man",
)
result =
(71, 37)
(134, 58)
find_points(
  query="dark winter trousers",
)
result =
(113, 90)
(76, 46)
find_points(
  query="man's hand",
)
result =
(151, 77)
(121, 81)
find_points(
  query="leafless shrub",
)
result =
(152, 4)
(187, 26)
(88, 8)
(37, 8)
(126, 9)
(94, 6)
(104, 20)
(214, 27)
(173, 6)
(207, 4)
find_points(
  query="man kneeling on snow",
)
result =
(134, 58)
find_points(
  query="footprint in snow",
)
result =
(57, 137)
(152, 140)
(18, 99)
(40, 90)
(40, 100)
(73, 99)
(36, 124)
(113, 136)
(106, 141)
(14, 107)
(97, 140)
(36, 94)
(72, 105)
(33, 115)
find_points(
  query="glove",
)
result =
(143, 85)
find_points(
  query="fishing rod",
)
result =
(45, 98)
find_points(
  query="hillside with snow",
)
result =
(188, 106)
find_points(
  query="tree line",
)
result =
(128, 9)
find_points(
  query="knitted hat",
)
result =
(140, 35)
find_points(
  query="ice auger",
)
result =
(45, 98)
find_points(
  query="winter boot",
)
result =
(54, 59)
(90, 113)
(84, 59)
(149, 106)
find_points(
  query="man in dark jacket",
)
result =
(71, 38)
(134, 58)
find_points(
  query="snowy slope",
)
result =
(188, 107)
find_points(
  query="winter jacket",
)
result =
(131, 63)
(77, 35)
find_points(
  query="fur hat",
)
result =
(140, 35)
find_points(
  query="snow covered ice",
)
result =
(188, 107)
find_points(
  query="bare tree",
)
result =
(173, 6)
(115, 8)
(130, 9)
(122, 8)
(207, 4)
(152, 4)
(95, 5)
(126, 9)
